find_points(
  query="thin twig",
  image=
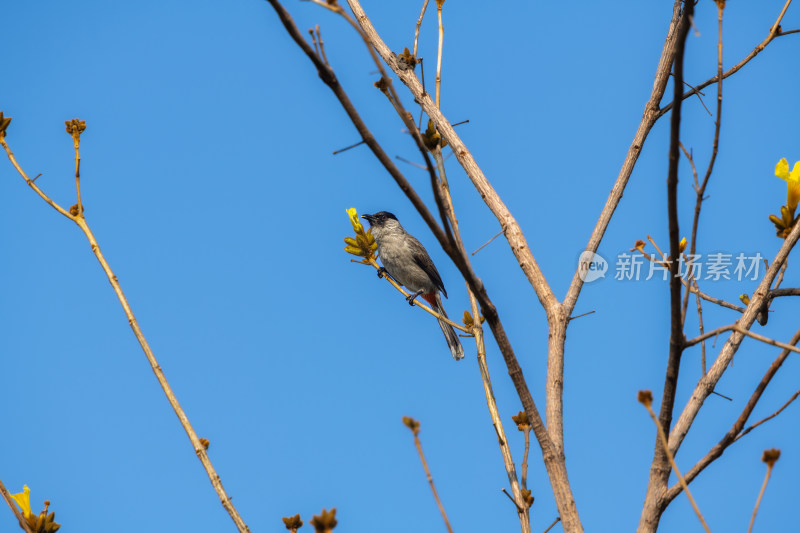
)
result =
(736, 431)
(13, 505)
(510, 497)
(721, 395)
(700, 189)
(359, 143)
(524, 483)
(700, 325)
(199, 448)
(582, 315)
(76, 140)
(314, 40)
(482, 246)
(770, 465)
(505, 450)
(414, 427)
(779, 279)
(404, 160)
(419, 23)
(690, 287)
(439, 4)
(477, 331)
(551, 526)
(662, 437)
(321, 44)
(773, 33)
(699, 93)
(743, 331)
(768, 418)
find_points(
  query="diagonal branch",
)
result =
(774, 31)
(199, 447)
(553, 457)
(513, 232)
(707, 383)
(737, 431)
(649, 119)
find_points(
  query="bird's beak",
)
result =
(368, 218)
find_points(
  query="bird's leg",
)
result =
(410, 299)
(382, 271)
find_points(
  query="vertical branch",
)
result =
(419, 23)
(477, 330)
(660, 466)
(700, 188)
(675, 286)
(525, 457)
(700, 325)
(76, 139)
(439, 4)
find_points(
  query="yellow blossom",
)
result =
(363, 245)
(792, 182)
(353, 214)
(23, 499)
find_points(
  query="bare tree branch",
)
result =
(662, 458)
(78, 218)
(513, 232)
(736, 431)
(708, 382)
(774, 32)
(649, 119)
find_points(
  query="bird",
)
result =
(405, 259)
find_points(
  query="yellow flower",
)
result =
(23, 499)
(363, 245)
(357, 227)
(792, 182)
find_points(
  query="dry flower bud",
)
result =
(771, 456)
(325, 522)
(645, 397)
(411, 424)
(293, 523)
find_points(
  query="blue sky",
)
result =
(208, 179)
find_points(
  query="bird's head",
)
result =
(382, 222)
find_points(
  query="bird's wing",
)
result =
(423, 260)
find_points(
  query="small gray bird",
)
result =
(407, 261)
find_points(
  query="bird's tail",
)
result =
(450, 335)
